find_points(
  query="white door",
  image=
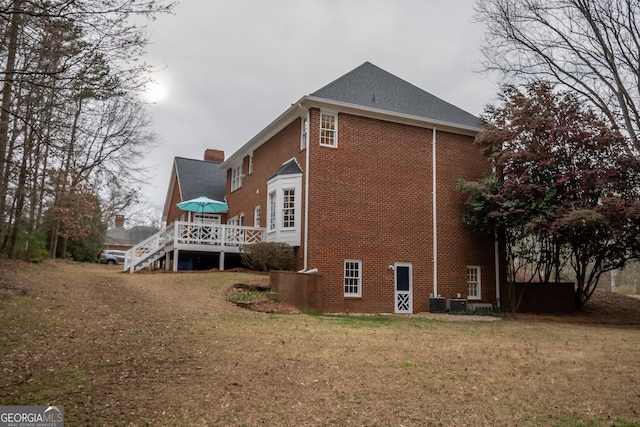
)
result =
(403, 287)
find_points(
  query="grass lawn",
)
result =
(166, 349)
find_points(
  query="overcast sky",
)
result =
(231, 67)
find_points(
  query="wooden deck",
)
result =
(194, 237)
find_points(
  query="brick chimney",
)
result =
(119, 221)
(212, 155)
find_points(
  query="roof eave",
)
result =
(309, 101)
(282, 121)
(375, 113)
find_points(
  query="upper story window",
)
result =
(304, 133)
(250, 163)
(473, 282)
(236, 177)
(329, 129)
(352, 278)
(288, 209)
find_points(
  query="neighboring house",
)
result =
(123, 239)
(190, 179)
(359, 177)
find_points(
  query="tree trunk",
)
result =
(20, 197)
(5, 104)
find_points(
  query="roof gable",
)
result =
(200, 178)
(370, 91)
(372, 87)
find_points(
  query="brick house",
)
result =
(346, 176)
(191, 178)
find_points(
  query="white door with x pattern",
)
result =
(403, 287)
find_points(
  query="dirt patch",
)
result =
(255, 295)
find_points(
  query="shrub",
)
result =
(266, 256)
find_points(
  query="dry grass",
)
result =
(168, 350)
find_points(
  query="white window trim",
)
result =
(250, 163)
(272, 204)
(256, 216)
(236, 177)
(357, 294)
(479, 276)
(293, 207)
(335, 130)
(208, 218)
(304, 132)
(278, 185)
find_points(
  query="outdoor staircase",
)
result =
(148, 251)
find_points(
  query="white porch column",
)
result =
(221, 263)
(175, 260)
(167, 260)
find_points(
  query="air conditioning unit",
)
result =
(436, 305)
(457, 305)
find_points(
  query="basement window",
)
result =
(352, 278)
(473, 282)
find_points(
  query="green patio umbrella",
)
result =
(203, 205)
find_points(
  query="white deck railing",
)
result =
(183, 235)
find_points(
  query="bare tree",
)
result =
(590, 46)
(70, 116)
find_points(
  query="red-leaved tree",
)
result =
(564, 181)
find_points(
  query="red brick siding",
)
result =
(174, 213)
(267, 159)
(378, 185)
(457, 157)
(371, 199)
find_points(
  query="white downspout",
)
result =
(306, 192)
(435, 215)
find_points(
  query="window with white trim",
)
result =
(236, 177)
(329, 129)
(352, 278)
(288, 208)
(207, 217)
(256, 216)
(304, 132)
(473, 282)
(250, 163)
(272, 211)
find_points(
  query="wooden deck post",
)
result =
(221, 263)
(175, 259)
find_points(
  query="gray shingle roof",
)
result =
(372, 87)
(201, 178)
(289, 168)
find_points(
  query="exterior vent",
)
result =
(481, 307)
